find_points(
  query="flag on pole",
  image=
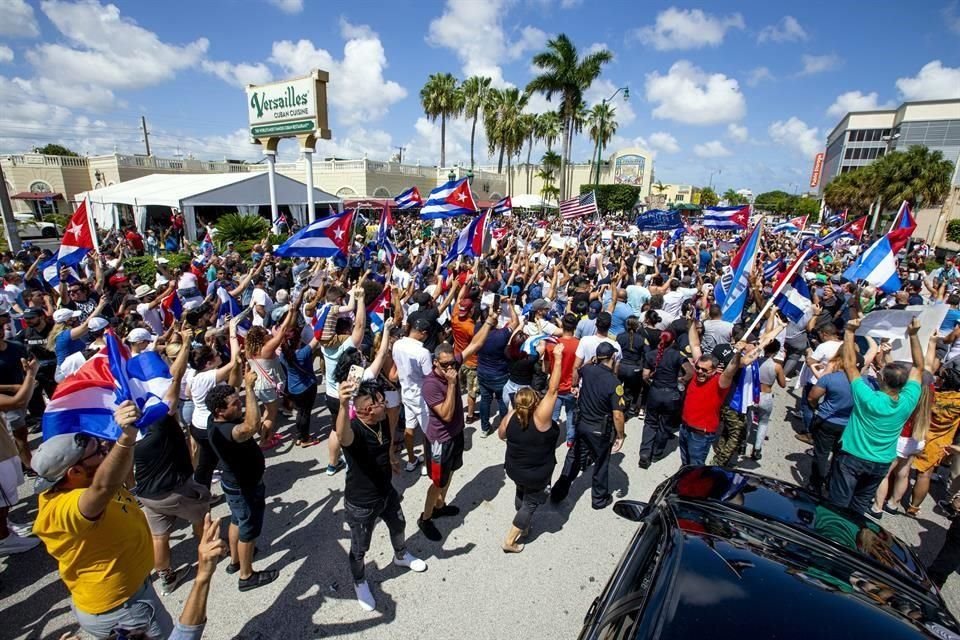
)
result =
(582, 205)
(409, 199)
(171, 309)
(325, 238)
(731, 291)
(383, 236)
(793, 299)
(470, 241)
(877, 266)
(230, 308)
(207, 246)
(791, 226)
(77, 239)
(852, 229)
(902, 228)
(504, 206)
(837, 217)
(50, 272)
(732, 218)
(451, 199)
(376, 310)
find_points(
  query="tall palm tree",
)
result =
(731, 196)
(566, 75)
(917, 175)
(530, 130)
(580, 117)
(441, 98)
(602, 125)
(476, 92)
(502, 120)
(549, 128)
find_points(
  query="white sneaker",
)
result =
(365, 596)
(411, 466)
(409, 561)
(22, 530)
(15, 544)
(423, 470)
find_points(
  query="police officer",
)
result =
(37, 327)
(599, 426)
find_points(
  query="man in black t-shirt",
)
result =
(368, 494)
(242, 479)
(34, 339)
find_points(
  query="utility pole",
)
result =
(400, 154)
(9, 222)
(146, 134)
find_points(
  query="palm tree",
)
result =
(602, 126)
(529, 123)
(441, 98)
(732, 197)
(566, 75)
(476, 92)
(502, 120)
(549, 128)
(917, 175)
(580, 117)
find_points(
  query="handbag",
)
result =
(279, 386)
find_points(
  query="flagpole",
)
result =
(896, 218)
(93, 226)
(783, 283)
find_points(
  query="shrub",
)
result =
(237, 228)
(953, 231)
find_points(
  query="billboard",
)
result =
(817, 170)
(628, 169)
(289, 108)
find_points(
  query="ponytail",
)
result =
(666, 339)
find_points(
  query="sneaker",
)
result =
(804, 437)
(365, 596)
(333, 469)
(171, 580)
(258, 579)
(216, 476)
(412, 466)
(875, 513)
(445, 511)
(409, 561)
(22, 530)
(15, 544)
(429, 529)
(485, 433)
(423, 470)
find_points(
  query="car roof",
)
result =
(753, 557)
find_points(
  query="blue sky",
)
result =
(748, 89)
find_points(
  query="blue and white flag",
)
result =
(451, 199)
(50, 272)
(729, 218)
(326, 238)
(409, 199)
(731, 291)
(746, 391)
(772, 269)
(877, 266)
(144, 378)
(470, 241)
(504, 206)
(794, 298)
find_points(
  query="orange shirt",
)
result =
(463, 332)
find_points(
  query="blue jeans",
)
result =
(491, 388)
(568, 402)
(143, 610)
(695, 445)
(806, 411)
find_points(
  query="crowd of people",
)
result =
(565, 351)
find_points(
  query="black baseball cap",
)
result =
(605, 350)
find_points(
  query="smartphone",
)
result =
(487, 299)
(355, 375)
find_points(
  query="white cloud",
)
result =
(690, 95)
(18, 19)
(240, 74)
(787, 30)
(357, 87)
(933, 82)
(819, 64)
(663, 141)
(951, 16)
(687, 29)
(538, 103)
(856, 101)
(737, 133)
(711, 149)
(758, 75)
(602, 89)
(570, 4)
(6, 54)
(796, 134)
(474, 32)
(596, 47)
(288, 6)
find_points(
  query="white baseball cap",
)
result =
(62, 315)
(140, 335)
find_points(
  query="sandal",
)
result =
(309, 442)
(912, 511)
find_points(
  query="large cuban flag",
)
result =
(470, 241)
(377, 310)
(50, 272)
(729, 218)
(409, 199)
(794, 298)
(325, 238)
(77, 238)
(877, 266)
(853, 229)
(792, 225)
(731, 291)
(448, 200)
(86, 400)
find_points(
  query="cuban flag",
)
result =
(50, 272)
(319, 319)
(746, 392)
(731, 218)
(449, 200)
(85, 401)
(838, 217)
(676, 236)
(383, 236)
(902, 228)
(771, 269)
(77, 239)
(731, 292)
(376, 310)
(791, 226)
(530, 344)
(409, 199)
(230, 308)
(877, 266)
(794, 297)
(499, 233)
(171, 309)
(470, 241)
(658, 245)
(207, 246)
(326, 238)
(852, 229)
(505, 206)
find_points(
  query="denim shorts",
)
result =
(246, 509)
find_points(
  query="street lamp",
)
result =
(451, 176)
(714, 171)
(626, 96)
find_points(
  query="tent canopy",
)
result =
(530, 201)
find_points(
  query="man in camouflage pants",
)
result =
(732, 439)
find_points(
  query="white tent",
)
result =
(245, 191)
(530, 201)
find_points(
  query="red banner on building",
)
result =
(817, 168)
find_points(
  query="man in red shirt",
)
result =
(134, 240)
(700, 418)
(565, 397)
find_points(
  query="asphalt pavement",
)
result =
(471, 589)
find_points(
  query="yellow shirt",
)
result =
(103, 562)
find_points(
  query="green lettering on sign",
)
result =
(296, 126)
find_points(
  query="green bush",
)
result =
(613, 197)
(953, 231)
(141, 266)
(237, 228)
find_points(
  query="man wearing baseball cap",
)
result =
(96, 531)
(148, 305)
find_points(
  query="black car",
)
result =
(728, 554)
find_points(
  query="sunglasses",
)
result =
(447, 365)
(82, 439)
(704, 371)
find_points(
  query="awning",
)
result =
(30, 195)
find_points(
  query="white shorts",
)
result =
(415, 413)
(907, 447)
(11, 477)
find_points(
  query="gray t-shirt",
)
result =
(715, 332)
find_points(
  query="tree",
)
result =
(528, 122)
(549, 128)
(953, 231)
(56, 150)
(733, 198)
(441, 98)
(602, 126)
(476, 92)
(613, 197)
(708, 197)
(503, 124)
(550, 165)
(854, 190)
(566, 75)
(917, 175)
(772, 201)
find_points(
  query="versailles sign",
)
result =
(289, 108)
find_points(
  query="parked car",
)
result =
(729, 554)
(29, 227)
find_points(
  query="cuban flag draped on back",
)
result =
(85, 401)
(746, 392)
(230, 308)
(504, 206)
(383, 236)
(877, 266)
(376, 310)
(50, 272)
(731, 293)
(470, 241)
(731, 218)
(794, 298)
(77, 238)
(326, 238)
(451, 199)
(171, 309)
(409, 199)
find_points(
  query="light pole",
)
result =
(713, 171)
(626, 96)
